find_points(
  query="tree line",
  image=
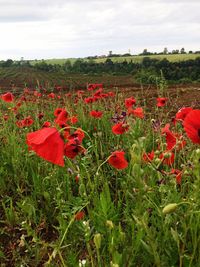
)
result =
(146, 71)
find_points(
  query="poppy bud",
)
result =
(109, 224)
(170, 208)
(97, 241)
(167, 155)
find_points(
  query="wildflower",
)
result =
(167, 158)
(61, 118)
(96, 113)
(73, 148)
(46, 124)
(182, 113)
(79, 134)
(161, 101)
(120, 128)
(8, 97)
(28, 121)
(178, 174)
(94, 86)
(73, 120)
(191, 125)
(117, 118)
(79, 215)
(57, 111)
(129, 102)
(138, 112)
(51, 95)
(47, 144)
(117, 160)
(148, 157)
(173, 139)
(40, 115)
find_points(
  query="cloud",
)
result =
(73, 28)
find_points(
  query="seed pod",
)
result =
(97, 241)
(170, 208)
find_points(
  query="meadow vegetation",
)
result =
(96, 177)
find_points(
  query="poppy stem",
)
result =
(97, 172)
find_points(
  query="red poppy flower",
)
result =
(51, 95)
(89, 100)
(26, 91)
(182, 113)
(129, 102)
(161, 101)
(46, 124)
(117, 160)
(28, 121)
(96, 113)
(8, 97)
(178, 174)
(120, 128)
(192, 125)
(62, 118)
(98, 92)
(40, 115)
(57, 111)
(94, 86)
(111, 94)
(173, 139)
(167, 159)
(138, 112)
(73, 120)
(148, 157)
(36, 93)
(20, 124)
(73, 148)
(5, 117)
(79, 215)
(68, 95)
(80, 93)
(77, 134)
(48, 144)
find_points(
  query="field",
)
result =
(100, 176)
(137, 59)
(15, 78)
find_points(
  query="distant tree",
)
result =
(183, 50)
(175, 51)
(110, 53)
(109, 62)
(7, 63)
(190, 52)
(165, 51)
(67, 66)
(145, 52)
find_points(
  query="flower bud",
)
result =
(97, 241)
(109, 224)
(170, 208)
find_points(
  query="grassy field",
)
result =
(99, 178)
(171, 58)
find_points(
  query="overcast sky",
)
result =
(80, 28)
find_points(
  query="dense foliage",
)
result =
(146, 72)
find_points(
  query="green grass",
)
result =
(124, 223)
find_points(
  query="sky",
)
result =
(42, 29)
